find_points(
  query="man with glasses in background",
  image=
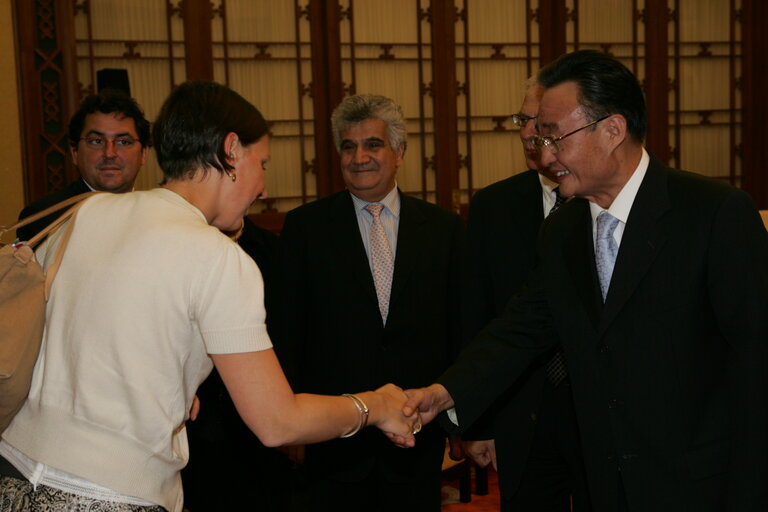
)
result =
(108, 138)
(655, 283)
(530, 433)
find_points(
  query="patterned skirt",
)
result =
(20, 496)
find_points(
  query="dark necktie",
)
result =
(558, 201)
(555, 367)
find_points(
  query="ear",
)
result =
(615, 128)
(399, 153)
(73, 154)
(231, 144)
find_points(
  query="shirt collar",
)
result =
(94, 190)
(88, 185)
(623, 203)
(391, 202)
(547, 185)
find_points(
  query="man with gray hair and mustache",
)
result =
(370, 282)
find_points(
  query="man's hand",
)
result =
(428, 402)
(482, 452)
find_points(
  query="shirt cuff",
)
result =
(452, 416)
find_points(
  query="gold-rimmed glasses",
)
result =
(550, 142)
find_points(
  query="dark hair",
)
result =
(605, 85)
(189, 132)
(109, 101)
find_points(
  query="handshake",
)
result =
(401, 414)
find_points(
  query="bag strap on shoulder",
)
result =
(53, 268)
(51, 209)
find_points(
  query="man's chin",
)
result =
(568, 187)
(115, 187)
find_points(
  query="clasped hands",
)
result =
(405, 412)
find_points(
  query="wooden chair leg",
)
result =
(481, 480)
(465, 482)
(460, 470)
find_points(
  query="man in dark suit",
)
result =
(108, 141)
(371, 296)
(530, 433)
(661, 306)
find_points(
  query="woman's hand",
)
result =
(386, 413)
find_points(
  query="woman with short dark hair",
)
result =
(150, 294)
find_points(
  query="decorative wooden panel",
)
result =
(753, 83)
(455, 65)
(689, 52)
(707, 55)
(47, 99)
(498, 51)
(261, 49)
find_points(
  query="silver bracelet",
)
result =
(362, 411)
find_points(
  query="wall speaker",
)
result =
(113, 79)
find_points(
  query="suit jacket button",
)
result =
(602, 349)
(533, 416)
(613, 403)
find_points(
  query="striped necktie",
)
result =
(558, 200)
(555, 368)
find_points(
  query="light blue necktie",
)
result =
(606, 249)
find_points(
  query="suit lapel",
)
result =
(409, 245)
(527, 210)
(641, 242)
(579, 256)
(344, 235)
(80, 187)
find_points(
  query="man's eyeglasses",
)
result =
(549, 142)
(520, 119)
(120, 142)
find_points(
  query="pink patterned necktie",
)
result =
(382, 262)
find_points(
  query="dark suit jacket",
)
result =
(670, 376)
(30, 230)
(504, 221)
(331, 339)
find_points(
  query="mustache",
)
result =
(106, 161)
